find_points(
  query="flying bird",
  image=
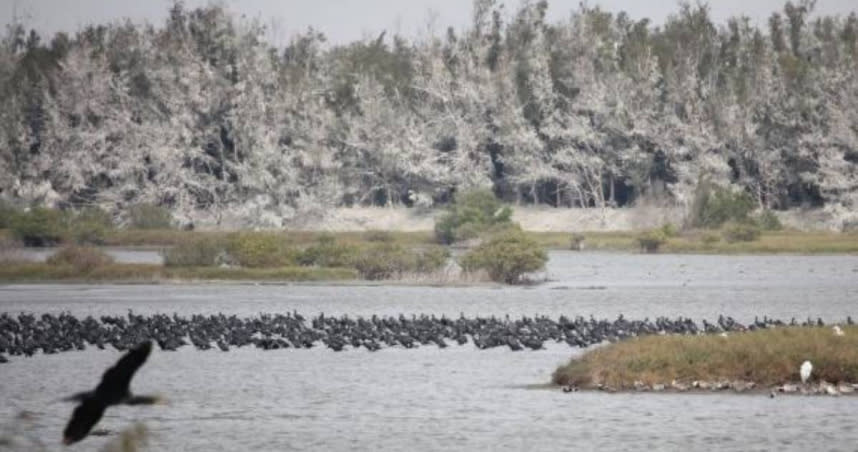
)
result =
(112, 390)
(805, 370)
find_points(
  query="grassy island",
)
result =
(765, 357)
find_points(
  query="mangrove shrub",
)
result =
(506, 257)
(471, 214)
(203, 252)
(149, 216)
(383, 260)
(713, 206)
(326, 252)
(257, 250)
(650, 241)
(38, 226)
(89, 226)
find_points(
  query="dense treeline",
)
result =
(206, 117)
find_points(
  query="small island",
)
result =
(761, 361)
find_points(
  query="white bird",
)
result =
(837, 330)
(805, 370)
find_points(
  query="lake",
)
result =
(458, 398)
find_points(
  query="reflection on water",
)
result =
(458, 398)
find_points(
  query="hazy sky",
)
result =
(345, 20)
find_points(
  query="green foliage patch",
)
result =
(506, 257)
(473, 213)
(149, 216)
(201, 252)
(259, 249)
(39, 226)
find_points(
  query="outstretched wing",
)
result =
(115, 381)
(84, 417)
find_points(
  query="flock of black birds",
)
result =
(27, 334)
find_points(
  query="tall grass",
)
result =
(43, 272)
(766, 357)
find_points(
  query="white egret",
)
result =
(837, 330)
(805, 370)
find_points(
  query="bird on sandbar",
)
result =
(112, 390)
(805, 370)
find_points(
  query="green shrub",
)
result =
(149, 216)
(768, 221)
(378, 236)
(255, 250)
(710, 238)
(471, 214)
(7, 213)
(89, 226)
(713, 206)
(431, 259)
(203, 252)
(740, 232)
(506, 257)
(383, 261)
(82, 258)
(38, 227)
(328, 253)
(650, 241)
(669, 230)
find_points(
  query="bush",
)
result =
(328, 253)
(256, 250)
(7, 213)
(38, 227)
(709, 238)
(82, 258)
(90, 226)
(431, 258)
(149, 216)
(740, 232)
(669, 230)
(383, 261)
(506, 257)
(204, 252)
(650, 241)
(471, 214)
(713, 206)
(768, 221)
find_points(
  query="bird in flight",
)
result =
(112, 390)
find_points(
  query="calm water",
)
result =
(453, 399)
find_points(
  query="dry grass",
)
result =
(766, 357)
(10, 250)
(42, 272)
(787, 242)
(172, 237)
(792, 242)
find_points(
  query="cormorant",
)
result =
(112, 390)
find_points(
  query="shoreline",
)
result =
(821, 388)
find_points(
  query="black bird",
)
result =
(112, 390)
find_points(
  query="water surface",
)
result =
(458, 398)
